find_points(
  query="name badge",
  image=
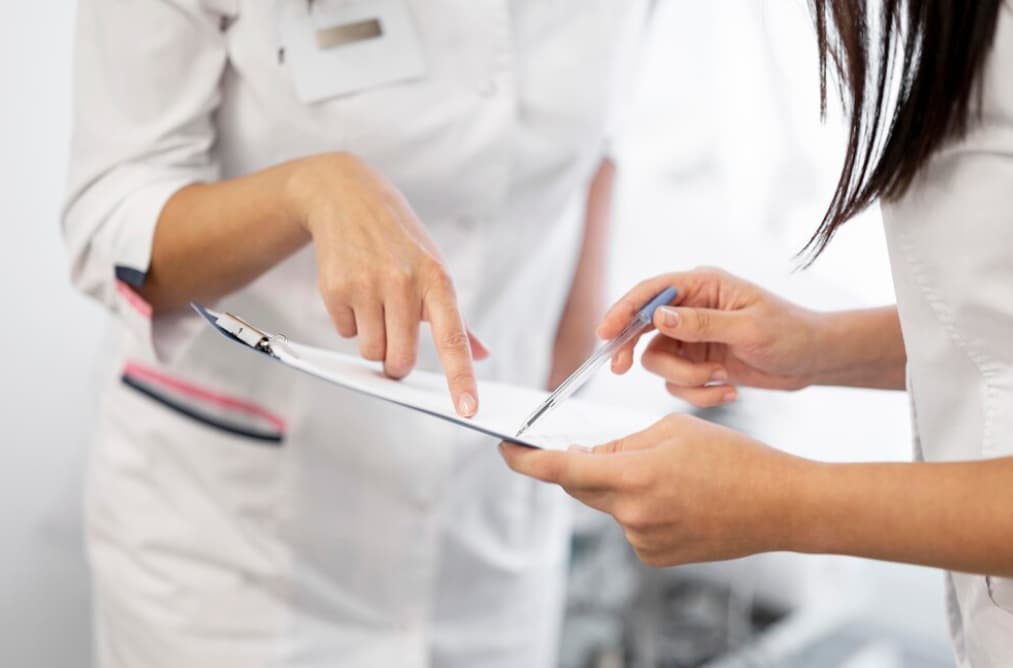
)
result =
(334, 48)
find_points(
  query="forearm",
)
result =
(575, 337)
(212, 239)
(861, 348)
(946, 515)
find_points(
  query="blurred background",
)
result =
(723, 161)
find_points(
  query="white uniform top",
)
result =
(240, 514)
(951, 247)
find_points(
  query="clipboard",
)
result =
(502, 406)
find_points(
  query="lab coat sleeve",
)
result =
(624, 75)
(147, 76)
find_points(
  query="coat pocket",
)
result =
(212, 409)
(185, 505)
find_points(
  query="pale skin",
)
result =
(379, 274)
(686, 490)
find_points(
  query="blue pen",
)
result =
(578, 378)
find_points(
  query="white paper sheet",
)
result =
(502, 407)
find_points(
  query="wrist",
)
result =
(822, 348)
(796, 524)
(305, 180)
(862, 348)
(803, 520)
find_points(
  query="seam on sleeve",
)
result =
(987, 368)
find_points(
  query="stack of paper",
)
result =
(503, 407)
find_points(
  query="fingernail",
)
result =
(729, 396)
(669, 316)
(580, 448)
(719, 376)
(466, 405)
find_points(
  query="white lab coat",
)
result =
(951, 248)
(239, 514)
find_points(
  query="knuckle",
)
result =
(636, 539)
(715, 397)
(630, 516)
(651, 360)
(400, 368)
(652, 559)
(702, 321)
(610, 448)
(456, 339)
(640, 521)
(682, 378)
(333, 287)
(401, 361)
(396, 371)
(371, 350)
(346, 329)
(437, 277)
(703, 374)
(706, 400)
(709, 271)
(358, 286)
(459, 378)
(642, 286)
(400, 278)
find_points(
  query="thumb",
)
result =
(610, 448)
(701, 325)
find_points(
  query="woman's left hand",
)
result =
(684, 490)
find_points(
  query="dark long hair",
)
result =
(909, 78)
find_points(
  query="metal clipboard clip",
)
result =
(236, 328)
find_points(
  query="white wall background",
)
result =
(49, 336)
(725, 163)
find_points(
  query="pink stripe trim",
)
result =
(134, 299)
(232, 403)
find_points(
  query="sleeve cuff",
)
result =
(162, 337)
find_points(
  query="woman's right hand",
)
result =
(721, 332)
(379, 273)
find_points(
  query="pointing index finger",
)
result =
(453, 345)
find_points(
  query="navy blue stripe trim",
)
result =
(131, 276)
(267, 438)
